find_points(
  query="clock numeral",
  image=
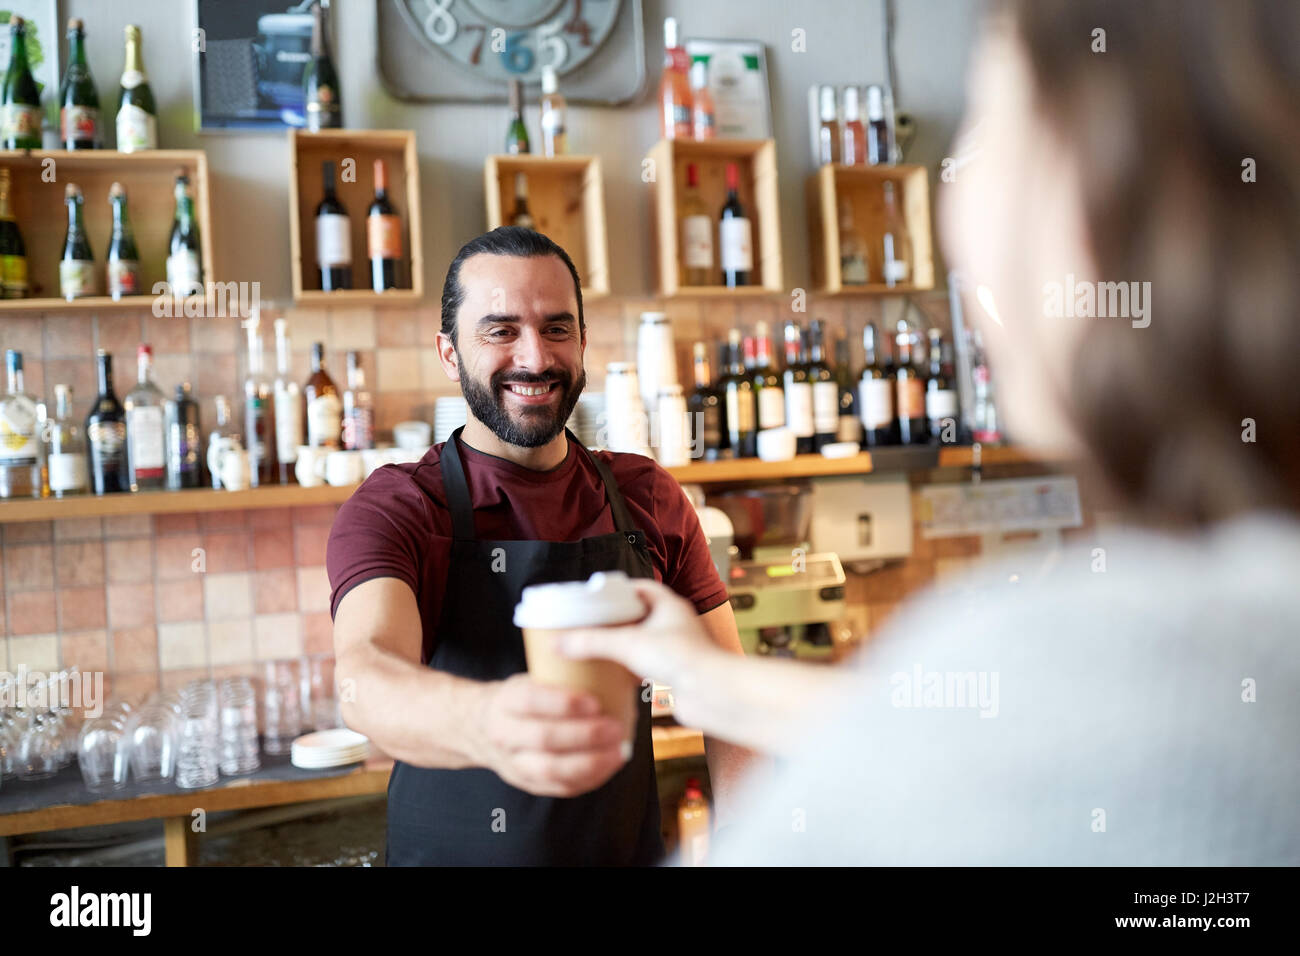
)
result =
(440, 14)
(518, 58)
(578, 25)
(550, 39)
(478, 47)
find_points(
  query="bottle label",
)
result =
(255, 429)
(771, 408)
(697, 242)
(132, 78)
(383, 237)
(710, 427)
(144, 430)
(737, 246)
(68, 471)
(853, 270)
(876, 399)
(324, 420)
(359, 429)
(76, 278)
(940, 404)
(679, 115)
(911, 398)
(13, 277)
(894, 269)
(288, 422)
(553, 122)
(19, 122)
(799, 408)
(323, 112)
(333, 241)
(106, 440)
(850, 429)
(826, 407)
(137, 129)
(123, 277)
(17, 430)
(740, 411)
(183, 272)
(79, 123)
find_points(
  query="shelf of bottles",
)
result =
(354, 213)
(717, 229)
(869, 229)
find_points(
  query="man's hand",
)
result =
(549, 741)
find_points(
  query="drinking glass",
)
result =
(102, 754)
(282, 706)
(239, 749)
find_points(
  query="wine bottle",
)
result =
(896, 262)
(320, 81)
(828, 129)
(825, 392)
(383, 234)
(853, 145)
(674, 87)
(13, 254)
(146, 429)
(697, 233)
(707, 410)
(358, 409)
(798, 389)
(517, 131)
(333, 237)
(20, 436)
(288, 408)
(20, 97)
(555, 138)
(741, 410)
(123, 258)
(878, 146)
(78, 99)
(940, 394)
(736, 235)
(909, 391)
(259, 413)
(323, 407)
(184, 258)
(767, 384)
(77, 267)
(106, 434)
(137, 113)
(521, 217)
(875, 393)
(65, 448)
(184, 440)
(853, 260)
(850, 427)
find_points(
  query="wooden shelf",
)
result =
(170, 502)
(359, 297)
(754, 469)
(962, 456)
(39, 210)
(566, 198)
(673, 742)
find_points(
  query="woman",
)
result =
(1137, 700)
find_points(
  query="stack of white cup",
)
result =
(626, 427)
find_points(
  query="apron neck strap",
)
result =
(456, 488)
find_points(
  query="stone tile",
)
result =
(275, 591)
(167, 334)
(182, 645)
(396, 370)
(128, 526)
(230, 641)
(79, 529)
(396, 329)
(81, 608)
(79, 563)
(277, 636)
(309, 543)
(129, 560)
(36, 652)
(88, 650)
(220, 336)
(130, 605)
(272, 549)
(69, 337)
(175, 556)
(28, 532)
(120, 336)
(175, 680)
(228, 595)
(313, 589)
(31, 612)
(227, 551)
(314, 514)
(352, 329)
(79, 374)
(175, 524)
(134, 687)
(30, 567)
(181, 600)
(317, 633)
(134, 649)
(223, 520)
(26, 335)
(271, 519)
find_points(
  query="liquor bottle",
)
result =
(137, 113)
(767, 383)
(674, 87)
(853, 256)
(358, 409)
(322, 406)
(78, 99)
(259, 412)
(521, 217)
(65, 448)
(878, 145)
(13, 254)
(517, 131)
(896, 262)
(704, 119)
(876, 393)
(184, 261)
(909, 391)
(985, 429)
(20, 97)
(333, 237)
(697, 233)
(77, 267)
(940, 394)
(555, 139)
(383, 234)
(798, 390)
(850, 427)
(146, 429)
(288, 408)
(853, 136)
(825, 390)
(736, 235)
(106, 434)
(320, 81)
(707, 410)
(828, 130)
(123, 258)
(741, 409)
(225, 435)
(184, 441)
(20, 440)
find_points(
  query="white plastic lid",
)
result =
(875, 103)
(828, 103)
(607, 597)
(850, 102)
(549, 82)
(699, 75)
(670, 32)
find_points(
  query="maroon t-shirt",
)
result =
(397, 524)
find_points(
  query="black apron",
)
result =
(472, 816)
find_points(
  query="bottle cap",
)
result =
(72, 191)
(76, 24)
(144, 351)
(850, 102)
(828, 104)
(549, 80)
(875, 103)
(670, 33)
(15, 20)
(116, 190)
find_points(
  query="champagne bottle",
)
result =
(259, 412)
(78, 99)
(741, 409)
(77, 267)
(320, 81)
(184, 259)
(123, 258)
(13, 254)
(383, 234)
(517, 132)
(20, 97)
(137, 114)
(521, 217)
(707, 410)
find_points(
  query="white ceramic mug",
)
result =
(411, 435)
(344, 467)
(233, 467)
(310, 467)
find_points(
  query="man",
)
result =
(427, 561)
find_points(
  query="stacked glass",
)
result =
(198, 755)
(282, 706)
(239, 749)
(154, 737)
(104, 748)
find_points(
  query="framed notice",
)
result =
(42, 22)
(738, 81)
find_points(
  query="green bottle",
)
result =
(13, 255)
(123, 259)
(517, 134)
(184, 261)
(78, 100)
(137, 114)
(77, 268)
(20, 98)
(319, 80)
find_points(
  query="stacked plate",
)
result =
(329, 748)
(449, 413)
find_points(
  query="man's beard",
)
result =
(525, 426)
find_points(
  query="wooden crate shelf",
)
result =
(863, 188)
(307, 151)
(147, 176)
(756, 160)
(566, 198)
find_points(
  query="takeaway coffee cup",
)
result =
(545, 611)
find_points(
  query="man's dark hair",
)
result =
(502, 241)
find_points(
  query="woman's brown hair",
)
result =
(1163, 123)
